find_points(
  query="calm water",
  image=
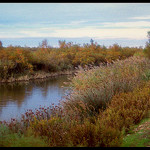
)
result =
(16, 98)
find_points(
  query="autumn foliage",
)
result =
(15, 61)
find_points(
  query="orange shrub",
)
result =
(14, 60)
(126, 109)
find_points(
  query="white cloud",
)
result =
(141, 17)
(77, 22)
(136, 24)
(132, 32)
(129, 33)
(102, 33)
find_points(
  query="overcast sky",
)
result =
(126, 21)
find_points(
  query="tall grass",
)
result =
(96, 86)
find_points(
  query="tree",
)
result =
(147, 47)
(44, 44)
(62, 44)
(92, 41)
(148, 35)
(1, 45)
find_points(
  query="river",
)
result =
(16, 98)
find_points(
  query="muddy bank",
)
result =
(37, 75)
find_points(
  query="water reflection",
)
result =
(16, 98)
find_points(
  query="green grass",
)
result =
(10, 139)
(136, 140)
(139, 138)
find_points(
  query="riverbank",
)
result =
(37, 75)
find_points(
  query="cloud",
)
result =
(128, 33)
(141, 17)
(107, 30)
(134, 24)
(77, 22)
(101, 33)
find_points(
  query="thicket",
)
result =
(16, 61)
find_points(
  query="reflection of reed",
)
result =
(12, 92)
(48, 84)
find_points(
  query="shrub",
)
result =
(25, 60)
(55, 129)
(126, 109)
(13, 61)
(60, 132)
(90, 134)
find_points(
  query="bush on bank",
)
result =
(17, 61)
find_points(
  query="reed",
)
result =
(95, 87)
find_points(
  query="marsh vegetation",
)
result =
(110, 93)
